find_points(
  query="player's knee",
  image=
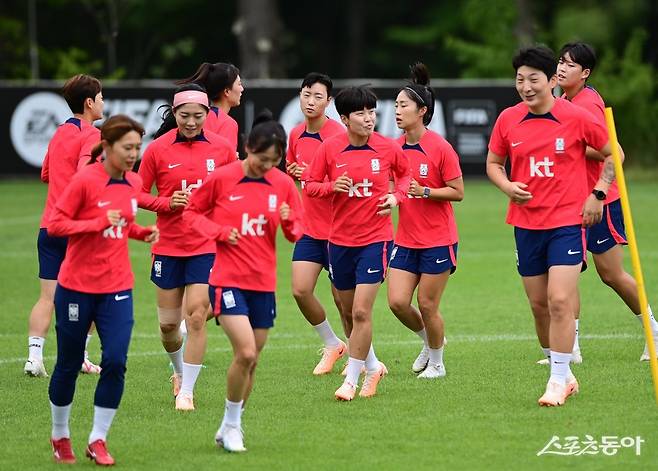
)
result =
(608, 276)
(560, 305)
(361, 316)
(196, 320)
(397, 304)
(301, 292)
(539, 307)
(246, 358)
(169, 333)
(428, 307)
(114, 365)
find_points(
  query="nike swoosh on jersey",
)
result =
(340, 165)
(120, 298)
(173, 165)
(514, 144)
(235, 198)
(103, 203)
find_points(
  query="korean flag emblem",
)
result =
(559, 144)
(210, 165)
(271, 203)
(374, 165)
(423, 170)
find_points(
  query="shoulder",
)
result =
(336, 141)
(436, 141)
(163, 141)
(331, 127)
(384, 144)
(278, 178)
(134, 179)
(217, 140)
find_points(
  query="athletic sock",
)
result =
(423, 335)
(232, 413)
(354, 368)
(35, 347)
(60, 417)
(372, 363)
(177, 360)
(327, 334)
(190, 374)
(559, 367)
(547, 352)
(576, 346)
(436, 356)
(103, 417)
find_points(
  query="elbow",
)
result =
(459, 196)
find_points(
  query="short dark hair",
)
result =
(265, 133)
(581, 53)
(214, 78)
(352, 99)
(316, 77)
(78, 88)
(538, 57)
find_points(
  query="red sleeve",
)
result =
(449, 168)
(147, 172)
(315, 184)
(63, 223)
(138, 232)
(293, 227)
(401, 173)
(230, 155)
(232, 135)
(86, 146)
(45, 170)
(201, 204)
(596, 134)
(290, 154)
(497, 143)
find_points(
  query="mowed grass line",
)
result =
(483, 415)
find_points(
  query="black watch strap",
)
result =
(599, 194)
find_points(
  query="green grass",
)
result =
(483, 415)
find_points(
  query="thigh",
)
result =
(305, 275)
(364, 297)
(260, 335)
(371, 263)
(51, 251)
(609, 232)
(168, 272)
(610, 261)
(431, 287)
(74, 313)
(170, 298)
(563, 283)
(536, 289)
(404, 258)
(346, 298)
(401, 285)
(308, 249)
(197, 297)
(239, 332)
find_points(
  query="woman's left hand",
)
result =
(284, 211)
(154, 236)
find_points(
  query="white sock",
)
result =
(60, 416)
(183, 329)
(436, 356)
(652, 320)
(190, 374)
(547, 352)
(103, 417)
(232, 413)
(86, 345)
(423, 335)
(576, 346)
(177, 360)
(354, 367)
(372, 363)
(35, 347)
(327, 334)
(559, 367)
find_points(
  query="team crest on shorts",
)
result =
(229, 299)
(374, 165)
(423, 170)
(157, 268)
(210, 165)
(74, 312)
(271, 203)
(559, 144)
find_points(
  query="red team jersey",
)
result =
(221, 123)
(302, 146)
(97, 258)
(590, 99)
(425, 223)
(175, 163)
(354, 219)
(68, 150)
(230, 199)
(547, 153)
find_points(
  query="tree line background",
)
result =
(167, 39)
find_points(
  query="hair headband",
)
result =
(417, 95)
(190, 96)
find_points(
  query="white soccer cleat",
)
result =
(89, 368)
(231, 438)
(184, 402)
(433, 371)
(420, 363)
(576, 357)
(35, 368)
(645, 353)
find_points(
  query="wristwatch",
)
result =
(426, 192)
(599, 194)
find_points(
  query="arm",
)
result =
(498, 176)
(145, 200)
(201, 204)
(63, 222)
(593, 208)
(291, 215)
(401, 175)
(45, 169)
(594, 154)
(315, 184)
(144, 234)
(453, 191)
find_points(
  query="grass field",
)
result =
(483, 415)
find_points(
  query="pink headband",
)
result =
(190, 96)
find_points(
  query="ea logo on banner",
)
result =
(33, 124)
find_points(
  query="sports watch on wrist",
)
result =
(599, 194)
(426, 192)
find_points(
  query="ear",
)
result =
(553, 81)
(344, 119)
(89, 103)
(585, 74)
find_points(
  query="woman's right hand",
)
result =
(113, 216)
(342, 184)
(179, 199)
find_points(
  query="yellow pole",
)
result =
(632, 245)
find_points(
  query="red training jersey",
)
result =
(97, 259)
(174, 163)
(423, 222)
(590, 99)
(302, 146)
(547, 153)
(68, 150)
(354, 219)
(229, 199)
(221, 123)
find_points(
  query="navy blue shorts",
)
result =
(51, 254)
(609, 232)
(432, 260)
(259, 306)
(174, 272)
(351, 266)
(537, 250)
(308, 249)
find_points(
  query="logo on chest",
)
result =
(422, 171)
(210, 165)
(271, 203)
(374, 165)
(559, 145)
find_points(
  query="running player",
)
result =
(240, 207)
(545, 139)
(97, 212)
(68, 150)
(425, 252)
(359, 165)
(604, 240)
(311, 251)
(177, 162)
(224, 87)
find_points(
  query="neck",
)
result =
(544, 107)
(314, 125)
(357, 140)
(112, 171)
(224, 106)
(573, 91)
(247, 170)
(86, 116)
(414, 133)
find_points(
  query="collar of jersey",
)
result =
(198, 137)
(363, 147)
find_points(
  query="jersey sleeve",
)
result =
(147, 172)
(315, 185)
(45, 169)
(401, 173)
(137, 232)
(497, 142)
(63, 222)
(86, 146)
(290, 153)
(595, 133)
(449, 167)
(232, 134)
(293, 227)
(201, 205)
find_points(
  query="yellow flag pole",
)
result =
(632, 245)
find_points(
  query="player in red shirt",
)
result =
(224, 87)
(605, 239)
(425, 252)
(178, 162)
(68, 150)
(240, 207)
(97, 212)
(356, 168)
(545, 139)
(311, 251)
